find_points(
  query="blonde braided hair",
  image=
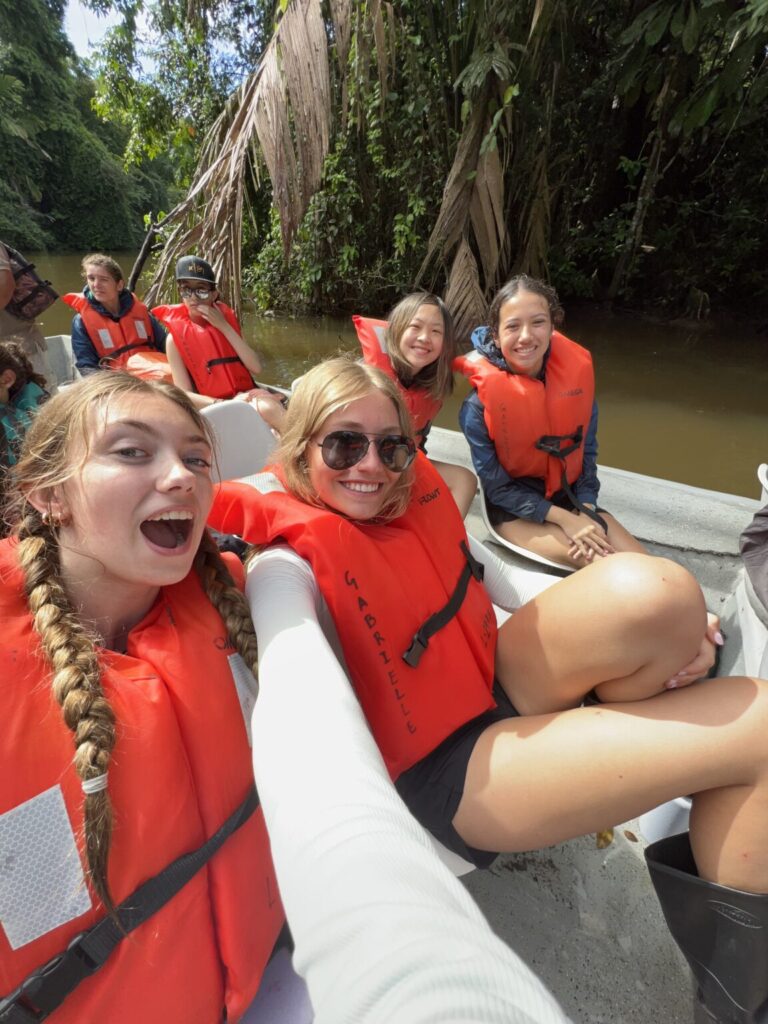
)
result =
(47, 462)
(76, 685)
(228, 601)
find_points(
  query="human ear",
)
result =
(50, 503)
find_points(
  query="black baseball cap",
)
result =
(192, 268)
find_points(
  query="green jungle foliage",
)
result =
(618, 149)
(62, 180)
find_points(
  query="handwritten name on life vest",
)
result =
(398, 691)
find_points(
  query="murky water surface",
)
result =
(680, 402)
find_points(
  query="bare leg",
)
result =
(462, 483)
(536, 781)
(548, 539)
(271, 411)
(624, 626)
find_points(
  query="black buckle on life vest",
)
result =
(472, 570)
(551, 444)
(48, 986)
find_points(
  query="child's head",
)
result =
(321, 394)
(104, 277)
(521, 319)
(16, 371)
(196, 281)
(420, 343)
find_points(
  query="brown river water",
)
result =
(681, 401)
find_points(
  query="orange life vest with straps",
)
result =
(180, 766)
(383, 582)
(537, 426)
(116, 341)
(214, 366)
(421, 405)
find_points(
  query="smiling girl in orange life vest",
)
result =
(415, 347)
(126, 660)
(375, 551)
(531, 424)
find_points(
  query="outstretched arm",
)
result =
(383, 930)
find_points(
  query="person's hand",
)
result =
(704, 660)
(254, 394)
(587, 538)
(213, 315)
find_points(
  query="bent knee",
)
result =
(653, 584)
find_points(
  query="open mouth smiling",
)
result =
(169, 529)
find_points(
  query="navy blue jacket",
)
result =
(520, 497)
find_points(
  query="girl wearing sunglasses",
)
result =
(483, 729)
(209, 358)
(415, 346)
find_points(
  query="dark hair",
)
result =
(524, 283)
(13, 357)
(437, 378)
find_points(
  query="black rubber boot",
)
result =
(722, 932)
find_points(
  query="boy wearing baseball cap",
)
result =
(208, 356)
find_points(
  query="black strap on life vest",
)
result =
(222, 359)
(47, 987)
(106, 360)
(552, 444)
(472, 570)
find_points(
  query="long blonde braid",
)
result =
(76, 685)
(228, 602)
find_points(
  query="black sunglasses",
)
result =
(345, 448)
(199, 293)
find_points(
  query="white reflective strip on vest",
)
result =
(141, 330)
(246, 688)
(379, 332)
(265, 483)
(106, 338)
(41, 878)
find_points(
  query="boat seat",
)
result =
(244, 441)
(762, 476)
(61, 361)
(522, 552)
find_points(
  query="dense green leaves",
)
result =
(62, 182)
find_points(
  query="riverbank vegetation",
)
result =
(63, 184)
(617, 148)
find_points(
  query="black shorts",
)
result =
(433, 787)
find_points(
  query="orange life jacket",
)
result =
(116, 341)
(421, 405)
(382, 582)
(522, 413)
(180, 766)
(214, 366)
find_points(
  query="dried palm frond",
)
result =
(285, 108)
(454, 209)
(463, 294)
(486, 213)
